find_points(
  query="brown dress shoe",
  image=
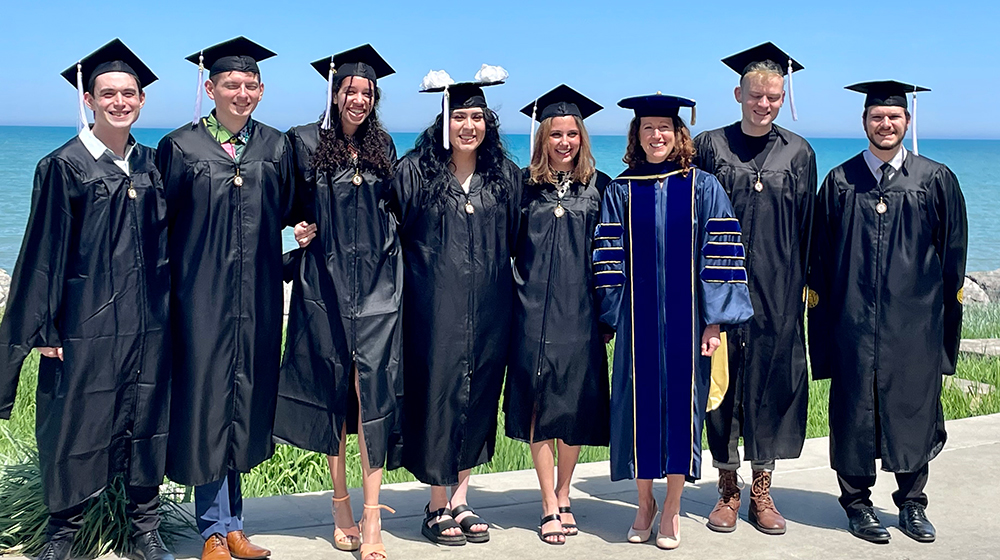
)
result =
(241, 547)
(215, 549)
(763, 515)
(727, 510)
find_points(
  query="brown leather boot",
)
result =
(215, 549)
(763, 515)
(241, 547)
(727, 510)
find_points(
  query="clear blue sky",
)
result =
(607, 50)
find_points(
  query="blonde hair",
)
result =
(584, 165)
(761, 71)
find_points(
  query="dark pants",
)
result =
(142, 510)
(219, 506)
(732, 444)
(855, 491)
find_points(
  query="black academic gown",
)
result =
(558, 369)
(344, 309)
(885, 321)
(225, 255)
(92, 277)
(457, 295)
(768, 391)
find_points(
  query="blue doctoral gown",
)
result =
(668, 262)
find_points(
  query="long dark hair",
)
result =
(682, 154)
(370, 141)
(490, 155)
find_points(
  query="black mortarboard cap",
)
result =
(657, 105)
(464, 94)
(885, 93)
(560, 102)
(363, 61)
(235, 55)
(741, 61)
(112, 57)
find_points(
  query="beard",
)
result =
(877, 143)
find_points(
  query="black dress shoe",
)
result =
(57, 549)
(914, 524)
(864, 524)
(149, 546)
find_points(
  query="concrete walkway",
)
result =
(963, 490)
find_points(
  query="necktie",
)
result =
(886, 170)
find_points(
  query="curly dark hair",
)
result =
(370, 142)
(682, 154)
(434, 159)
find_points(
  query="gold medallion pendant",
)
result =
(559, 211)
(881, 207)
(131, 193)
(356, 180)
(758, 186)
(469, 209)
(237, 180)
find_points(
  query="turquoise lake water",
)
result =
(975, 162)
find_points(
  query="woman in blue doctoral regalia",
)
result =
(668, 268)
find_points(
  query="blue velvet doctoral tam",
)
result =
(668, 262)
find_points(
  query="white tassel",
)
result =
(446, 118)
(79, 94)
(329, 96)
(201, 86)
(791, 92)
(531, 136)
(915, 152)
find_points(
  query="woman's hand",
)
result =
(50, 352)
(304, 233)
(710, 340)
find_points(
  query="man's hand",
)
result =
(710, 340)
(304, 233)
(50, 352)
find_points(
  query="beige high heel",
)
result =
(369, 549)
(348, 539)
(667, 542)
(642, 535)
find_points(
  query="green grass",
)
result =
(293, 470)
(981, 321)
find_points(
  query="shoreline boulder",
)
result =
(4, 288)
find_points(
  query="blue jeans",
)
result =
(219, 506)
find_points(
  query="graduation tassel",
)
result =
(197, 94)
(531, 135)
(329, 96)
(791, 92)
(79, 94)
(694, 114)
(915, 152)
(445, 115)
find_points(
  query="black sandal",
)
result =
(467, 523)
(571, 531)
(435, 532)
(544, 536)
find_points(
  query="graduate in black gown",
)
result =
(457, 198)
(229, 182)
(885, 319)
(341, 362)
(556, 394)
(769, 174)
(90, 292)
(668, 277)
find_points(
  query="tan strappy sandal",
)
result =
(348, 539)
(370, 549)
